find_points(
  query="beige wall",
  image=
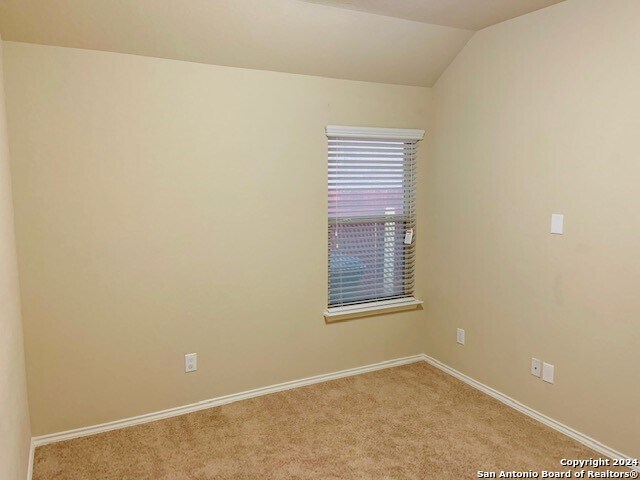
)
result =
(15, 434)
(165, 207)
(540, 115)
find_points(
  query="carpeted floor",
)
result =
(410, 422)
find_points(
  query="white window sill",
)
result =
(335, 314)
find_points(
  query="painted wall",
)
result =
(165, 207)
(15, 433)
(540, 115)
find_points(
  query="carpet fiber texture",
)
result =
(409, 422)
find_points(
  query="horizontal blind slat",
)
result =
(365, 301)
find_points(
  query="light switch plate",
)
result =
(548, 371)
(460, 336)
(557, 224)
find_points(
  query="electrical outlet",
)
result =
(190, 362)
(460, 337)
(536, 367)
(548, 371)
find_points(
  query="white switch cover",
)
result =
(547, 372)
(557, 223)
(190, 362)
(461, 336)
(536, 367)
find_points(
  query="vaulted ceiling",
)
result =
(282, 35)
(468, 14)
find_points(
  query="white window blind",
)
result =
(372, 193)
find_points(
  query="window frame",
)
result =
(376, 306)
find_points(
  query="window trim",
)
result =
(366, 309)
(335, 314)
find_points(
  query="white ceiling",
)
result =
(282, 35)
(468, 14)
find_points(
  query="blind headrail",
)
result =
(342, 131)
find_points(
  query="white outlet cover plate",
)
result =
(460, 336)
(536, 367)
(548, 372)
(190, 362)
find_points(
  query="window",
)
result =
(371, 243)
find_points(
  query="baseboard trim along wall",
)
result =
(530, 412)
(173, 412)
(32, 453)
(215, 402)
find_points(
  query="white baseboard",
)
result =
(173, 412)
(530, 412)
(215, 402)
(32, 452)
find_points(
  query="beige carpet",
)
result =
(410, 422)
